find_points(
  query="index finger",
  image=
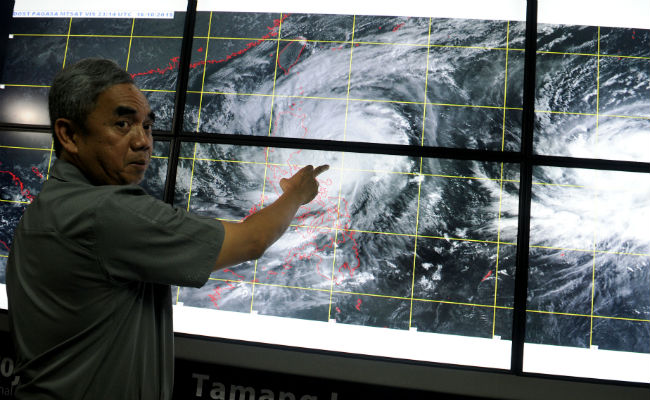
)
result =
(319, 170)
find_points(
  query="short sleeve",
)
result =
(140, 238)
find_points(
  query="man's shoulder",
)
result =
(56, 193)
(62, 205)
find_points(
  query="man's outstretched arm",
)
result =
(249, 239)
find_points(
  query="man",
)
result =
(89, 271)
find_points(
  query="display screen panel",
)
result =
(589, 278)
(417, 80)
(593, 87)
(416, 250)
(588, 308)
(46, 37)
(25, 162)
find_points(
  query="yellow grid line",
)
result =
(329, 41)
(338, 206)
(598, 55)
(67, 42)
(419, 103)
(503, 139)
(234, 161)
(592, 114)
(65, 56)
(347, 95)
(618, 56)
(14, 201)
(416, 103)
(556, 184)
(593, 257)
(588, 316)
(159, 90)
(505, 96)
(198, 121)
(23, 148)
(496, 272)
(128, 54)
(40, 34)
(275, 76)
(266, 167)
(356, 170)
(378, 171)
(474, 47)
(387, 172)
(382, 296)
(426, 300)
(327, 228)
(189, 193)
(156, 37)
(346, 42)
(459, 303)
(25, 85)
(620, 253)
(49, 161)
(623, 116)
(205, 63)
(324, 41)
(421, 177)
(417, 228)
(279, 286)
(266, 157)
(96, 36)
(367, 101)
(198, 124)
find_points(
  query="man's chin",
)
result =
(135, 173)
(132, 179)
(137, 180)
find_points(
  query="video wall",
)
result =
(414, 251)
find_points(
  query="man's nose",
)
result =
(142, 140)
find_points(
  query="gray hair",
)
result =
(75, 89)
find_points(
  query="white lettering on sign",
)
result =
(199, 383)
(243, 391)
(6, 367)
(219, 391)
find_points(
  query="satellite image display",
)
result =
(325, 79)
(397, 242)
(590, 257)
(350, 254)
(392, 242)
(437, 82)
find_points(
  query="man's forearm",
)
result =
(248, 240)
(272, 221)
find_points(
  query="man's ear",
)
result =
(67, 133)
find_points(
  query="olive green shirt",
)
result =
(88, 282)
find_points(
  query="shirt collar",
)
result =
(68, 172)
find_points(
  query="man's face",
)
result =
(116, 147)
